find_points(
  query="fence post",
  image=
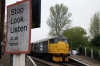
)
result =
(91, 53)
(77, 50)
(85, 52)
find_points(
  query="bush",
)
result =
(83, 50)
(88, 51)
(96, 54)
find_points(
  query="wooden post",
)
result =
(19, 60)
(91, 53)
(2, 16)
(85, 52)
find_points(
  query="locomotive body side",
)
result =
(40, 48)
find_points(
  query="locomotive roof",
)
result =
(54, 37)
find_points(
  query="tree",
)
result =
(95, 25)
(59, 19)
(96, 41)
(76, 36)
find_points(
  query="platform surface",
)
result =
(87, 60)
(5, 61)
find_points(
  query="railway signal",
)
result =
(36, 13)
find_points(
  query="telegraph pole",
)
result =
(2, 16)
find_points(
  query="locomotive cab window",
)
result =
(53, 40)
(64, 40)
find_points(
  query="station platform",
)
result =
(5, 61)
(86, 60)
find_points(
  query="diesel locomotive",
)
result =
(55, 48)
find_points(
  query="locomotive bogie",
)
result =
(60, 59)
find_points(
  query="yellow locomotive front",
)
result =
(59, 48)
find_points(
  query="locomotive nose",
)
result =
(61, 47)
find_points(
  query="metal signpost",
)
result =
(18, 31)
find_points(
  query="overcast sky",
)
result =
(82, 11)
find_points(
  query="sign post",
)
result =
(18, 31)
(19, 60)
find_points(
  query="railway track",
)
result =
(72, 63)
(42, 62)
(39, 61)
